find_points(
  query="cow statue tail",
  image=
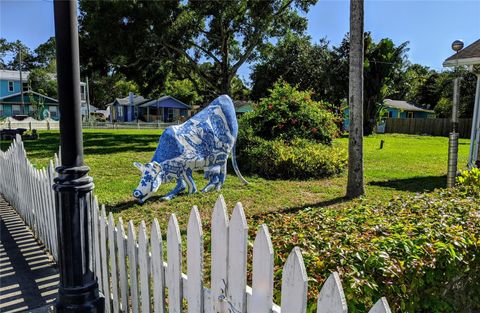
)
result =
(235, 166)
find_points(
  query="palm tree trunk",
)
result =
(355, 187)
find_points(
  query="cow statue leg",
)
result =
(216, 175)
(211, 173)
(181, 186)
(187, 176)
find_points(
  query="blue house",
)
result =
(126, 109)
(397, 109)
(10, 96)
(165, 109)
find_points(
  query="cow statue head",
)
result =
(150, 181)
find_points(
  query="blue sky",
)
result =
(429, 26)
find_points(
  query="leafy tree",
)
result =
(297, 61)
(43, 81)
(140, 37)
(28, 59)
(122, 87)
(45, 55)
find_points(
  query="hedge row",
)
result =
(295, 159)
(421, 252)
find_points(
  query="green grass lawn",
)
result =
(406, 164)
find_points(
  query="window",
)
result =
(10, 86)
(409, 114)
(170, 114)
(16, 110)
(1, 110)
(82, 92)
(53, 111)
(390, 114)
(25, 86)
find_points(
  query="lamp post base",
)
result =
(80, 300)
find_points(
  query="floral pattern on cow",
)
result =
(203, 142)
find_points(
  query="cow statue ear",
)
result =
(138, 165)
(157, 166)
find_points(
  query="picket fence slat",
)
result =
(380, 307)
(144, 268)
(294, 284)
(122, 266)
(262, 281)
(96, 244)
(113, 262)
(174, 269)
(132, 273)
(157, 268)
(132, 261)
(104, 260)
(331, 297)
(219, 253)
(237, 269)
(195, 262)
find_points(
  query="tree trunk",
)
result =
(355, 187)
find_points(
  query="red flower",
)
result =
(314, 130)
(270, 106)
(294, 121)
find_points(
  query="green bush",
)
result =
(289, 113)
(422, 252)
(296, 159)
(469, 181)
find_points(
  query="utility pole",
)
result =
(22, 108)
(355, 185)
(88, 99)
(78, 291)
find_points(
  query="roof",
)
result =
(469, 55)
(29, 92)
(137, 100)
(244, 108)
(166, 102)
(404, 106)
(13, 75)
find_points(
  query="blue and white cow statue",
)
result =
(203, 142)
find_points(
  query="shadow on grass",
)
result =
(94, 143)
(415, 184)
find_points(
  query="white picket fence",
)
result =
(138, 272)
(29, 191)
(133, 270)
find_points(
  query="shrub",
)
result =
(289, 113)
(469, 181)
(421, 252)
(296, 159)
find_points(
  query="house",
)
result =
(165, 109)
(242, 107)
(11, 100)
(11, 105)
(405, 109)
(126, 109)
(397, 109)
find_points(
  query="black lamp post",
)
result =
(78, 291)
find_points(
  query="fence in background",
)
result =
(138, 273)
(127, 125)
(30, 124)
(428, 126)
(50, 124)
(29, 191)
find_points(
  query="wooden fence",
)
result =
(137, 272)
(29, 191)
(428, 126)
